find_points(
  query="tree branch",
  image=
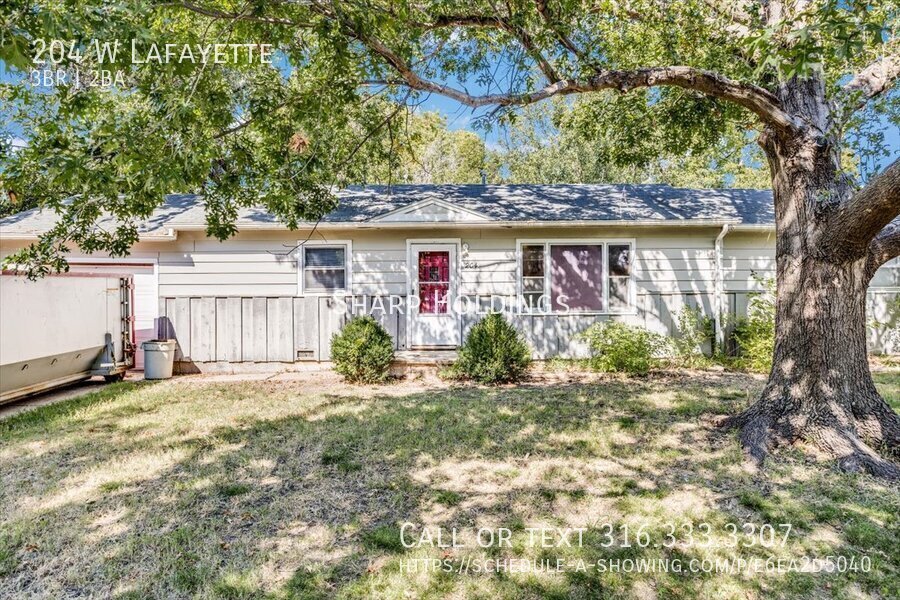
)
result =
(884, 247)
(875, 79)
(853, 226)
(505, 24)
(565, 41)
(754, 98)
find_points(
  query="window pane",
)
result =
(576, 277)
(434, 266)
(324, 257)
(532, 261)
(433, 298)
(619, 259)
(534, 302)
(318, 280)
(619, 293)
(533, 284)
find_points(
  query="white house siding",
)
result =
(197, 266)
(749, 258)
(237, 301)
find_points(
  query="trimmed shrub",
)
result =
(755, 333)
(494, 352)
(362, 351)
(620, 348)
(694, 330)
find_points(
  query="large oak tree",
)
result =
(805, 73)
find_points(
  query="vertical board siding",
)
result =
(332, 316)
(253, 329)
(178, 314)
(203, 329)
(258, 329)
(884, 329)
(306, 328)
(379, 307)
(228, 330)
(280, 330)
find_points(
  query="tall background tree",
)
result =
(582, 141)
(811, 77)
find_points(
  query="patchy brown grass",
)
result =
(296, 487)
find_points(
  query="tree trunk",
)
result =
(820, 390)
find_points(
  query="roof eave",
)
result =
(753, 227)
(480, 224)
(170, 235)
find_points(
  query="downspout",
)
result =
(719, 291)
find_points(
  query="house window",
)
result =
(533, 276)
(586, 277)
(324, 269)
(620, 283)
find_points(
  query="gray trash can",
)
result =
(159, 356)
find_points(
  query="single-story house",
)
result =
(428, 260)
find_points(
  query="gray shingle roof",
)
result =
(567, 202)
(503, 203)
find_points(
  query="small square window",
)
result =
(324, 268)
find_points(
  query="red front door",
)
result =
(432, 321)
(434, 282)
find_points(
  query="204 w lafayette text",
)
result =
(137, 52)
(605, 535)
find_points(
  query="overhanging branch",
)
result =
(751, 97)
(754, 98)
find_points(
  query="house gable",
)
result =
(431, 211)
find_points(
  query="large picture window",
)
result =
(585, 277)
(324, 268)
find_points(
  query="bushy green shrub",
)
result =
(755, 333)
(362, 351)
(694, 330)
(494, 352)
(620, 348)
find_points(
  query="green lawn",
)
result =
(287, 489)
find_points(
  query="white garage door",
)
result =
(146, 297)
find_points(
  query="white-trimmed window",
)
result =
(580, 276)
(324, 267)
